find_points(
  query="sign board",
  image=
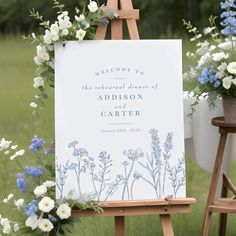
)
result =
(119, 120)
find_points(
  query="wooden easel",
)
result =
(223, 205)
(120, 209)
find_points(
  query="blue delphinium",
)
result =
(208, 75)
(21, 182)
(31, 208)
(229, 22)
(33, 171)
(36, 144)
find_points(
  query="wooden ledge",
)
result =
(223, 205)
(125, 14)
(145, 207)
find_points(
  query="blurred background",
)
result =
(158, 19)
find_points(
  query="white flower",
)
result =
(93, 6)
(46, 204)
(49, 184)
(54, 28)
(37, 61)
(40, 190)
(6, 152)
(225, 45)
(13, 157)
(80, 34)
(33, 35)
(204, 47)
(16, 227)
(205, 58)
(64, 211)
(10, 196)
(4, 144)
(231, 68)
(5, 200)
(234, 81)
(212, 48)
(45, 225)
(19, 203)
(64, 22)
(42, 53)
(221, 70)
(80, 18)
(32, 222)
(208, 30)
(6, 229)
(47, 37)
(20, 152)
(33, 105)
(14, 147)
(38, 82)
(65, 32)
(215, 35)
(219, 56)
(227, 81)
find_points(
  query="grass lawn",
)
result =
(17, 123)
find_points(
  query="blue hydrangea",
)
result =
(33, 171)
(31, 208)
(208, 75)
(229, 22)
(21, 182)
(36, 144)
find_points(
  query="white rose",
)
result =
(32, 222)
(231, 68)
(4, 144)
(219, 56)
(49, 184)
(19, 203)
(64, 211)
(227, 81)
(33, 105)
(38, 82)
(45, 225)
(93, 6)
(40, 190)
(80, 34)
(46, 204)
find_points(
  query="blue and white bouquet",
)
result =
(37, 210)
(212, 73)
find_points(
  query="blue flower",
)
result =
(20, 182)
(217, 83)
(228, 4)
(36, 144)
(208, 75)
(31, 208)
(33, 171)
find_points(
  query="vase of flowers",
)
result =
(212, 72)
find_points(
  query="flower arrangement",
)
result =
(39, 212)
(212, 73)
(83, 26)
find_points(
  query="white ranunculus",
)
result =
(32, 222)
(47, 37)
(33, 105)
(46, 204)
(19, 203)
(45, 225)
(93, 6)
(49, 184)
(64, 211)
(42, 53)
(40, 190)
(231, 68)
(227, 81)
(4, 144)
(225, 45)
(219, 56)
(38, 82)
(80, 34)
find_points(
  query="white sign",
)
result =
(119, 119)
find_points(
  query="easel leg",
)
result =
(167, 228)
(119, 226)
(223, 217)
(214, 181)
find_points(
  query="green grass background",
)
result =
(17, 70)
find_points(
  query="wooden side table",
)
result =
(222, 205)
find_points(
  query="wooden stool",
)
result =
(222, 205)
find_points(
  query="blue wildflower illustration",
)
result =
(133, 156)
(36, 144)
(21, 182)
